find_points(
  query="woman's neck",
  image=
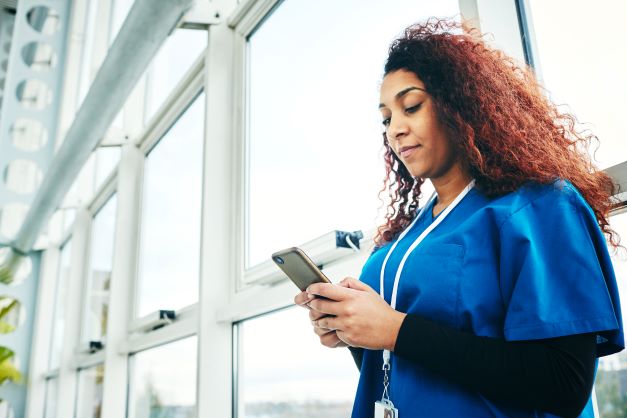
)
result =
(450, 185)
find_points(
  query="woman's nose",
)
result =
(397, 128)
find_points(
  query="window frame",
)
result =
(178, 102)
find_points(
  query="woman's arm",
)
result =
(358, 356)
(553, 375)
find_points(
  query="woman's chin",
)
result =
(416, 172)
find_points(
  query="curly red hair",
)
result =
(497, 116)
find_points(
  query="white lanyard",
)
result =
(412, 247)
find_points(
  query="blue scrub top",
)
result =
(528, 265)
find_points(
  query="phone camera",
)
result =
(279, 260)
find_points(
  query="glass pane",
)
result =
(585, 69)
(106, 160)
(89, 398)
(163, 382)
(58, 327)
(87, 69)
(314, 129)
(295, 376)
(120, 11)
(170, 236)
(52, 390)
(611, 380)
(99, 279)
(173, 60)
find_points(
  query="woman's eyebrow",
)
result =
(402, 93)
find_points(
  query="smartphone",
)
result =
(299, 268)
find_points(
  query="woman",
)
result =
(499, 294)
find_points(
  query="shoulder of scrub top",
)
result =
(543, 197)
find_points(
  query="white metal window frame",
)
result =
(129, 176)
(124, 181)
(175, 106)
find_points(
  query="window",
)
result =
(585, 69)
(58, 327)
(170, 231)
(173, 60)
(89, 398)
(611, 380)
(52, 390)
(99, 275)
(164, 381)
(293, 376)
(314, 134)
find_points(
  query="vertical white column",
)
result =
(101, 38)
(470, 13)
(42, 333)
(214, 339)
(500, 19)
(122, 281)
(76, 38)
(67, 371)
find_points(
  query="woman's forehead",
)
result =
(397, 83)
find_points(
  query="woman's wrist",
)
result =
(394, 328)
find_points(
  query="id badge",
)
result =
(385, 410)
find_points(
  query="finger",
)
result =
(315, 315)
(329, 291)
(330, 339)
(352, 283)
(302, 298)
(342, 336)
(340, 343)
(328, 322)
(326, 306)
(322, 331)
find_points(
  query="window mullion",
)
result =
(122, 279)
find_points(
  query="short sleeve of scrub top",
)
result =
(556, 274)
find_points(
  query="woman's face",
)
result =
(412, 127)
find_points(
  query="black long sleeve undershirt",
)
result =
(553, 375)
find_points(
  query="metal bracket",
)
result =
(201, 16)
(153, 321)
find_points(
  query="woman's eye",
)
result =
(386, 122)
(412, 109)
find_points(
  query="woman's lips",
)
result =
(407, 151)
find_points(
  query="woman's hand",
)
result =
(357, 314)
(328, 337)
